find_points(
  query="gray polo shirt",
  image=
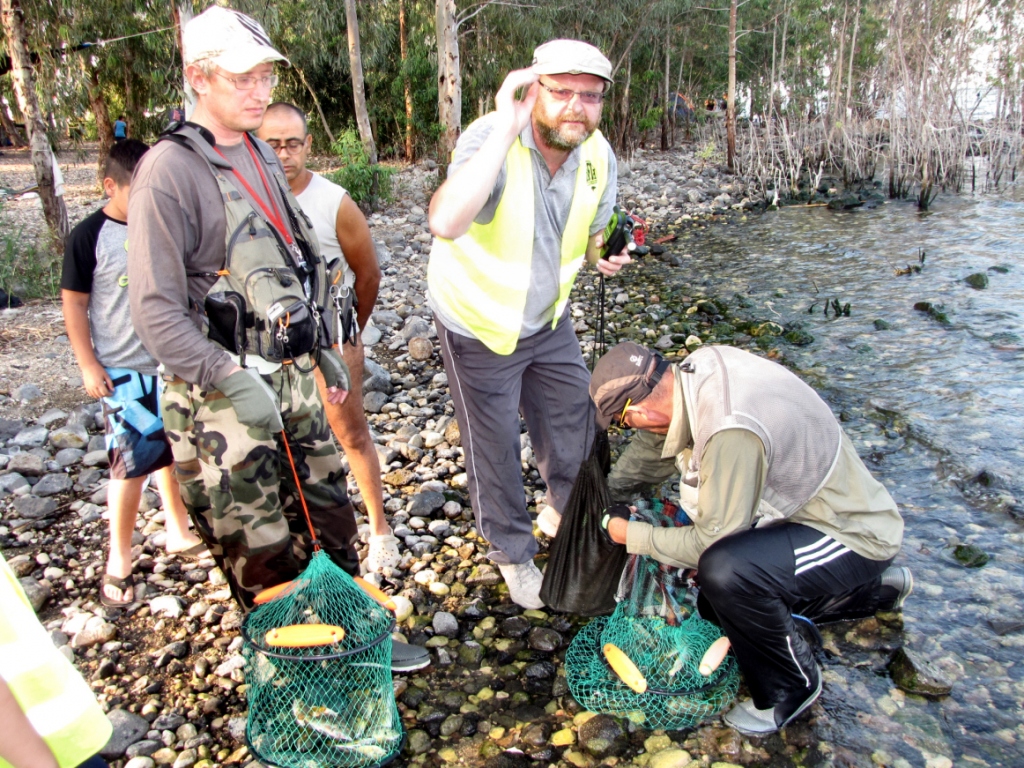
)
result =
(552, 199)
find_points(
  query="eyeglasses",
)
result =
(248, 82)
(622, 416)
(565, 94)
(291, 146)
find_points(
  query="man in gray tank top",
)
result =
(783, 516)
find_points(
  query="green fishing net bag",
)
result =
(320, 697)
(655, 627)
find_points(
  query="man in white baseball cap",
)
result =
(529, 192)
(238, 369)
(229, 39)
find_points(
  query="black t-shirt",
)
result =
(80, 252)
(96, 262)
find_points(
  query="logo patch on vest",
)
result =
(591, 175)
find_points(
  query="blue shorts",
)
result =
(136, 443)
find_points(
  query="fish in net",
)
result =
(318, 665)
(653, 661)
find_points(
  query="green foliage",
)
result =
(369, 185)
(26, 271)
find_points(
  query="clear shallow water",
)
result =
(933, 407)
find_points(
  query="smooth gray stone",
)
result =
(52, 484)
(30, 437)
(128, 729)
(34, 508)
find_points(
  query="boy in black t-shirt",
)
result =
(117, 369)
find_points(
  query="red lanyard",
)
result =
(275, 217)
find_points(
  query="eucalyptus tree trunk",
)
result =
(665, 100)
(355, 60)
(181, 12)
(853, 53)
(103, 126)
(449, 79)
(316, 103)
(730, 105)
(10, 128)
(403, 40)
(25, 88)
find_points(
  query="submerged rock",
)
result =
(978, 281)
(970, 556)
(914, 674)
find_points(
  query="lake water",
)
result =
(936, 409)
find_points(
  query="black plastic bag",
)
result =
(584, 567)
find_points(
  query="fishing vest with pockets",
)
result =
(481, 279)
(727, 388)
(269, 298)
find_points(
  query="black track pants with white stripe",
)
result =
(751, 584)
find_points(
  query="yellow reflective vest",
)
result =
(481, 279)
(50, 691)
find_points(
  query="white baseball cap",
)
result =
(231, 40)
(571, 57)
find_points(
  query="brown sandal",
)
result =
(123, 585)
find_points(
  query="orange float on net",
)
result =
(381, 597)
(625, 668)
(304, 635)
(714, 656)
(272, 593)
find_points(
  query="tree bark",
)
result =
(103, 125)
(730, 105)
(54, 210)
(853, 53)
(355, 60)
(10, 128)
(665, 101)
(316, 102)
(449, 80)
(403, 41)
(181, 12)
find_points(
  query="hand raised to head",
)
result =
(516, 113)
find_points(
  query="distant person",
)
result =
(787, 517)
(353, 272)
(529, 193)
(49, 717)
(120, 129)
(118, 370)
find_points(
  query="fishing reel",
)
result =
(625, 230)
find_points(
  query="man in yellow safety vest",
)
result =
(529, 191)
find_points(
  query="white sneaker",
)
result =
(524, 580)
(548, 521)
(383, 553)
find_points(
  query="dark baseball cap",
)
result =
(625, 375)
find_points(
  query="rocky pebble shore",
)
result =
(169, 669)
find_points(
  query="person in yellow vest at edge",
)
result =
(529, 191)
(49, 718)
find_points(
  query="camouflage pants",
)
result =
(239, 487)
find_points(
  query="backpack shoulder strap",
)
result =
(190, 137)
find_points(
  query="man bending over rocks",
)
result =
(787, 517)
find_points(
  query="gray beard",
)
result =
(553, 139)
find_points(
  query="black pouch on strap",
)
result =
(226, 312)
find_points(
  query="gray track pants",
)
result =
(546, 381)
